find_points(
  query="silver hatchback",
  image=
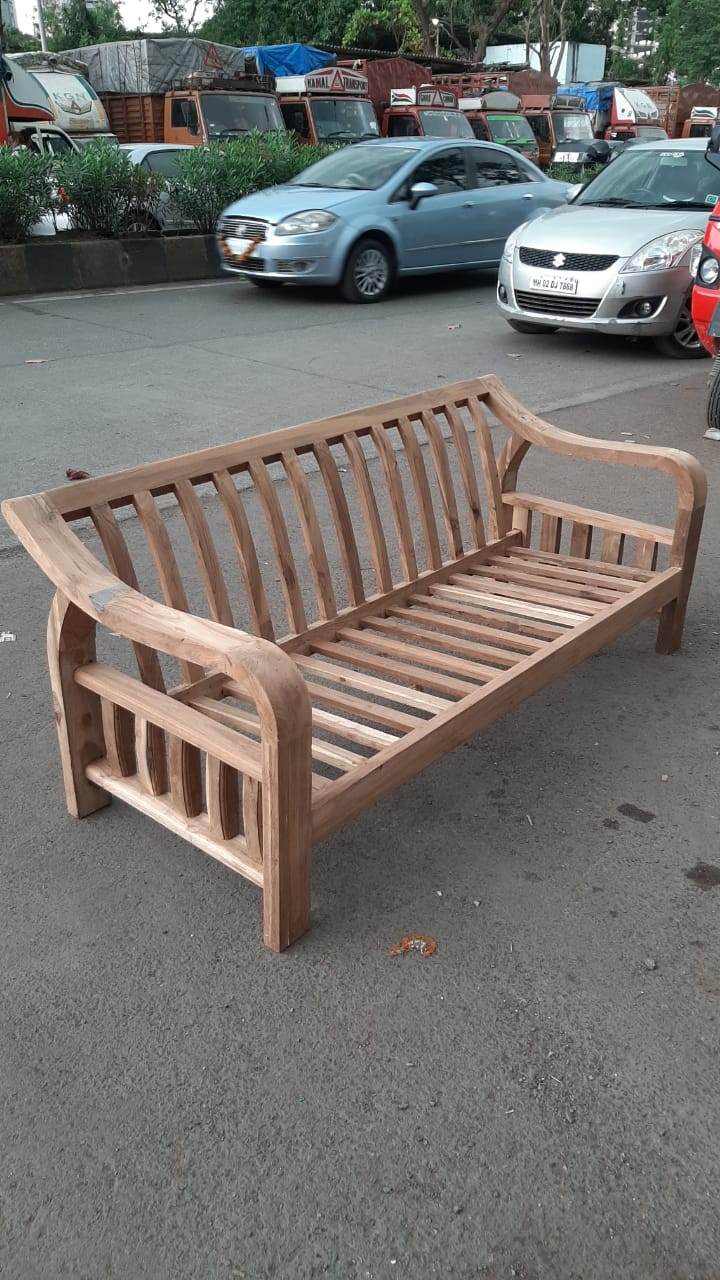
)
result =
(617, 258)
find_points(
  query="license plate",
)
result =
(554, 282)
(566, 157)
(238, 248)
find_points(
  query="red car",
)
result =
(706, 299)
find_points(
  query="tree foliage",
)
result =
(689, 40)
(71, 25)
(15, 41)
(247, 22)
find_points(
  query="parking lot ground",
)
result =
(539, 1098)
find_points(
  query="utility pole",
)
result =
(41, 25)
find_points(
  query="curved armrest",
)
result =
(264, 670)
(527, 429)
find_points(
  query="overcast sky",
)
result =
(134, 12)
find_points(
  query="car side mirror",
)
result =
(420, 191)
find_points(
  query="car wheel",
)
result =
(713, 407)
(683, 343)
(523, 326)
(143, 225)
(368, 272)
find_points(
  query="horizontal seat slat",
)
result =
(552, 570)
(247, 721)
(406, 673)
(508, 632)
(410, 627)
(535, 578)
(405, 696)
(401, 645)
(623, 572)
(532, 612)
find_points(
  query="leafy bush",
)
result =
(570, 173)
(210, 178)
(26, 191)
(104, 192)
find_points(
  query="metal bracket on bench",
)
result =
(101, 599)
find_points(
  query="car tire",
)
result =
(683, 343)
(369, 271)
(523, 326)
(713, 404)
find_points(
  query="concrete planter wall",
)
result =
(51, 266)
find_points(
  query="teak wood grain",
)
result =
(267, 745)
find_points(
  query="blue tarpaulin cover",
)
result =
(598, 97)
(288, 59)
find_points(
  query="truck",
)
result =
(618, 111)
(26, 114)
(327, 105)
(76, 108)
(497, 117)
(184, 91)
(424, 111)
(564, 132)
(681, 106)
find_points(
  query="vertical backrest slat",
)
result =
(423, 496)
(165, 563)
(343, 521)
(246, 554)
(371, 515)
(497, 525)
(444, 478)
(312, 535)
(398, 504)
(119, 733)
(120, 562)
(646, 554)
(612, 547)
(550, 533)
(467, 472)
(281, 543)
(581, 540)
(205, 553)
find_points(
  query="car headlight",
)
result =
(666, 251)
(511, 241)
(695, 256)
(298, 224)
(709, 271)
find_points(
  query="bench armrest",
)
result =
(527, 430)
(260, 667)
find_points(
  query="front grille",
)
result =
(573, 261)
(253, 265)
(245, 228)
(554, 304)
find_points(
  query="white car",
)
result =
(617, 259)
(162, 158)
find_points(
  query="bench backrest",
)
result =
(397, 490)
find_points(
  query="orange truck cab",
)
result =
(329, 105)
(198, 113)
(425, 111)
(496, 117)
(701, 123)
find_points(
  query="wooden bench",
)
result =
(441, 597)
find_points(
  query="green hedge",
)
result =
(26, 192)
(210, 178)
(104, 193)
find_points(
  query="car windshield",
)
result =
(344, 119)
(445, 124)
(359, 168)
(572, 126)
(229, 113)
(510, 129)
(654, 179)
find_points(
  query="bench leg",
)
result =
(672, 616)
(78, 715)
(286, 841)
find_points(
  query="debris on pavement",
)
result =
(7, 636)
(36, 361)
(72, 474)
(650, 963)
(454, 326)
(415, 942)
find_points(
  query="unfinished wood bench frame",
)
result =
(235, 757)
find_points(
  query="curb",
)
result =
(54, 266)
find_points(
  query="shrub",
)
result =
(26, 192)
(104, 191)
(569, 172)
(210, 178)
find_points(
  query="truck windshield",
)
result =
(345, 119)
(510, 128)
(651, 133)
(572, 127)
(445, 124)
(236, 113)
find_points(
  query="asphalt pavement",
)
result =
(538, 1099)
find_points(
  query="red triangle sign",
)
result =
(212, 59)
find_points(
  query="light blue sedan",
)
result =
(393, 207)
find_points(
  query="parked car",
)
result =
(162, 158)
(393, 207)
(617, 259)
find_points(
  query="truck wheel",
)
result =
(713, 408)
(368, 272)
(683, 343)
(522, 326)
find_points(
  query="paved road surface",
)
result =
(178, 1104)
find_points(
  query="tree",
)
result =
(71, 25)
(177, 17)
(379, 25)
(15, 41)
(248, 22)
(689, 40)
